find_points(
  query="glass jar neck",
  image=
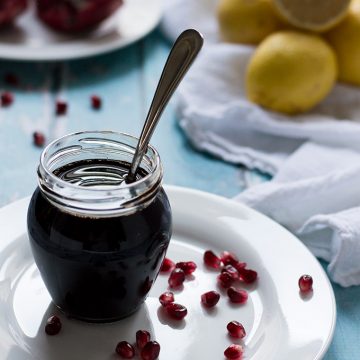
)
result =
(103, 201)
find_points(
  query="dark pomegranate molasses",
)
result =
(98, 268)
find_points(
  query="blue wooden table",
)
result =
(126, 81)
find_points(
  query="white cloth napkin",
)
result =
(315, 158)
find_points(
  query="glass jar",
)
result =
(98, 241)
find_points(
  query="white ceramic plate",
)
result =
(280, 324)
(29, 39)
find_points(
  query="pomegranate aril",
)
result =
(167, 265)
(231, 271)
(38, 138)
(305, 283)
(53, 325)
(188, 267)
(225, 280)
(150, 351)
(176, 311)
(237, 296)
(142, 338)
(228, 258)
(210, 298)
(176, 278)
(211, 260)
(125, 350)
(7, 99)
(61, 107)
(234, 352)
(96, 102)
(247, 276)
(166, 298)
(236, 329)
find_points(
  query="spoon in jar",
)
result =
(182, 55)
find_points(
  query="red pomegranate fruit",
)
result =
(74, 16)
(10, 9)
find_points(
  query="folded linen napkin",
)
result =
(315, 157)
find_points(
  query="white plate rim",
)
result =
(176, 190)
(11, 52)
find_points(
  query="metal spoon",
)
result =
(182, 55)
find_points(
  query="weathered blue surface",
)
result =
(126, 81)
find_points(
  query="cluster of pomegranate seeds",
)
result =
(176, 278)
(237, 296)
(142, 338)
(7, 98)
(234, 352)
(305, 283)
(167, 265)
(188, 267)
(166, 298)
(210, 298)
(211, 260)
(53, 325)
(11, 79)
(176, 311)
(125, 350)
(61, 107)
(39, 139)
(150, 351)
(96, 102)
(225, 280)
(236, 329)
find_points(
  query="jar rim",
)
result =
(99, 201)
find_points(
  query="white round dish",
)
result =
(29, 39)
(280, 323)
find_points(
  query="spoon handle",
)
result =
(181, 56)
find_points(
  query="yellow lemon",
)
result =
(345, 39)
(314, 15)
(291, 72)
(246, 21)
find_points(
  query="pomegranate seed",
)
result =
(11, 79)
(142, 338)
(236, 329)
(61, 107)
(176, 278)
(166, 298)
(247, 276)
(305, 283)
(234, 352)
(228, 258)
(96, 102)
(38, 138)
(125, 350)
(150, 351)
(188, 267)
(176, 311)
(240, 265)
(231, 271)
(210, 299)
(237, 296)
(7, 99)
(167, 265)
(225, 280)
(211, 260)
(53, 325)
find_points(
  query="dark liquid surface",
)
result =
(98, 269)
